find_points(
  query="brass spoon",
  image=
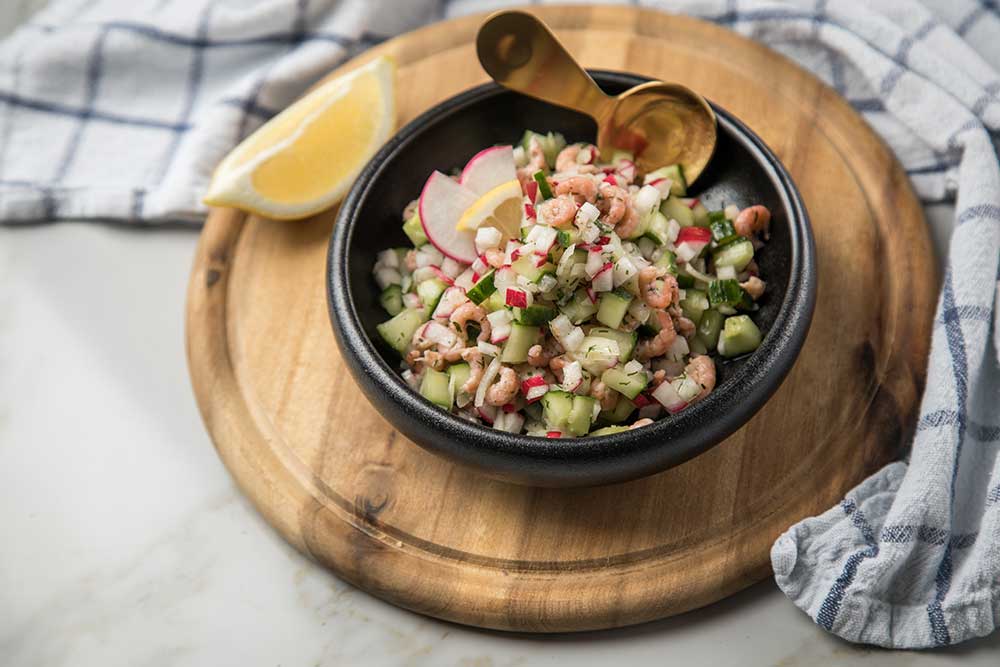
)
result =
(662, 123)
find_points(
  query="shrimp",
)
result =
(583, 189)
(658, 378)
(608, 398)
(613, 203)
(701, 369)
(557, 212)
(754, 286)
(685, 327)
(567, 160)
(410, 209)
(751, 220)
(449, 347)
(470, 311)
(410, 260)
(474, 358)
(557, 365)
(494, 257)
(539, 357)
(658, 295)
(627, 228)
(661, 342)
(505, 389)
(640, 423)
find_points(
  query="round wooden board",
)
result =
(341, 485)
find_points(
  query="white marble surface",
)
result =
(126, 543)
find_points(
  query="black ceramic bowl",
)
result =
(743, 171)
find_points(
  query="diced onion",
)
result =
(673, 229)
(489, 375)
(511, 422)
(489, 349)
(386, 276)
(428, 255)
(451, 268)
(587, 214)
(678, 348)
(623, 271)
(595, 262)
(487, 238)
(604, 281)
(571, 342)
(387, 258)
(726, 272)
(646, 198)
(632, 367)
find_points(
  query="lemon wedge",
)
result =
(304, 159)
(500, 207)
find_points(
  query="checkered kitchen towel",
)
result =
(121, 108)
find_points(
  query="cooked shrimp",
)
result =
(658, 288)
(685, 327)
(539, 357)
(627, 228)
(494, 257)
(467, 312)
(608, 398)
(474, 358)
(567, 160)
(661, 342)
(557, 365)
(753, 219)
(754, 286)
(640, 423)
(701, 369)
(613, 203)
(582, 188)
(505, 389)
(558, 211)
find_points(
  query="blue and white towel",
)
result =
(120, 109)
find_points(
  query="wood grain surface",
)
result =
(342, 486)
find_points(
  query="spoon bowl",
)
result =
(660, 123)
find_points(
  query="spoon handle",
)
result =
(522, 54)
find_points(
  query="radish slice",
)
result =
(489, 168)
(442, 203)
(669, 398)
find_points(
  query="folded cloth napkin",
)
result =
(120, 109)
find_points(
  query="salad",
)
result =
(554, 291)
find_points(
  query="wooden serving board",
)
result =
(342, 486)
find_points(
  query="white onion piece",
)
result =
(595, 262)
(489, 375)
(487, 238)
(673, 229)
(388, 258)
(678, 348)
(451, 268)
(571, 342)
(489, 349)
(623, 271)
(386, 276)
(587, 214)
(668, 397)
(726, 272)
(647, 197)
(604, 281)
(632, 367)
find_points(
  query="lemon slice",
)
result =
(500, 207)
(304, 159)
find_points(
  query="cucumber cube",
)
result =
(436, 388)
(629, 385)
(398, 332)
(522, 337)
(482, 289)
(430, 292)
(612, 308)
(581, 415)
(626, 340)
(694, 303)
(609, 430)
(674, 209)
(736, 254)
(556, 408)
(392, 300)
(739, 336)
(414, 230)
(709, 327)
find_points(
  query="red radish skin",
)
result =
(516, 298)
(529, 211)
(444, 277)
(531, 190)
(489, 168)
(694, 235)
(442, 203)
(642, 401)
(591, 294)
(694, 202)
(554, 434)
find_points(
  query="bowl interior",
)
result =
(734, 176)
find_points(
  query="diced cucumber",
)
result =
(430, 292)
(544, 191)
(522, 337)
(685, 281)
(537, 315)
(556, 408)
(414, 230)
(398, 332)
(630, 385)
(674, 209)
(668, 261)
(435, 387)
(579, 309)
(609, 430)
(482, 289)
(716, 216)
(736, 254)
(459, 374)
(525, 266)
(725, 293)
(709, 327)
(392, 300)
(694, 303)
(626, 340)
(658, 230)
(695, 346)
(739, 336)
(722, 232)
(494, 302)
(568, 237)
(598, 353)
(581, 415)
(622, 411)
(700, 213)
(612, 308)
(675, 173)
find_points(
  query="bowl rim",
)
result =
(659, 446)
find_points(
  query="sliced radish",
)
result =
(604, 280)
(489, 168)
(694, 234)
(442, 276)
(572, 376)
(452, 298)
(535, 393)
(553, 434)
(531, 190)
(516, 297)
(669, 398)
(442, 203)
